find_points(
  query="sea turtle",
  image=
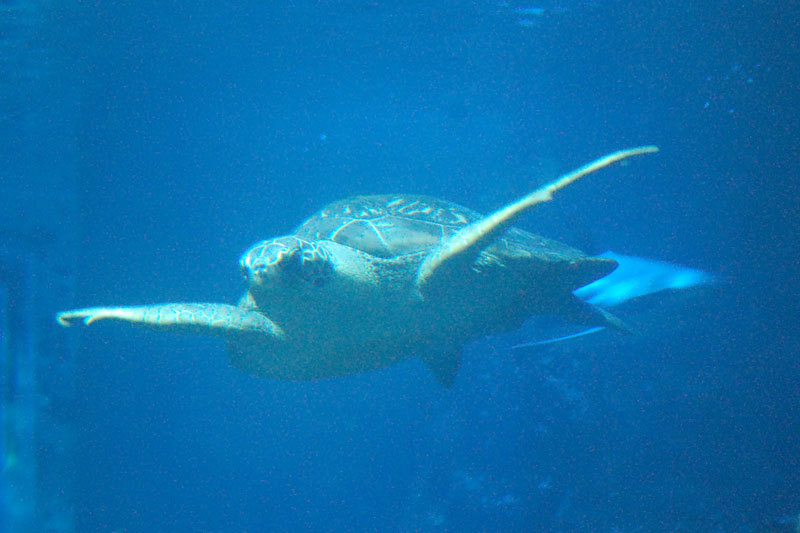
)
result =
(372, 280)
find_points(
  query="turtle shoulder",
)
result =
(571, 266)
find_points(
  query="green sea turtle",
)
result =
(372, 280)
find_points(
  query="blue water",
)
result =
(206, 126)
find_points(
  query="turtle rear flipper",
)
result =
(205, 318)
(583, 313)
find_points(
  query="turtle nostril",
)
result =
(258, 265)
(257, 270)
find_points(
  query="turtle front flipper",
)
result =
(205, 318)
(464, 246)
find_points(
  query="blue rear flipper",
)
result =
(635, 277)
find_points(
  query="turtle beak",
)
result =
(254, 271)
(254, 265)
(258, 271)
(261, 264)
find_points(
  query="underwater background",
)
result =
(198, 128)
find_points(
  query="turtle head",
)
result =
(286, 262)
